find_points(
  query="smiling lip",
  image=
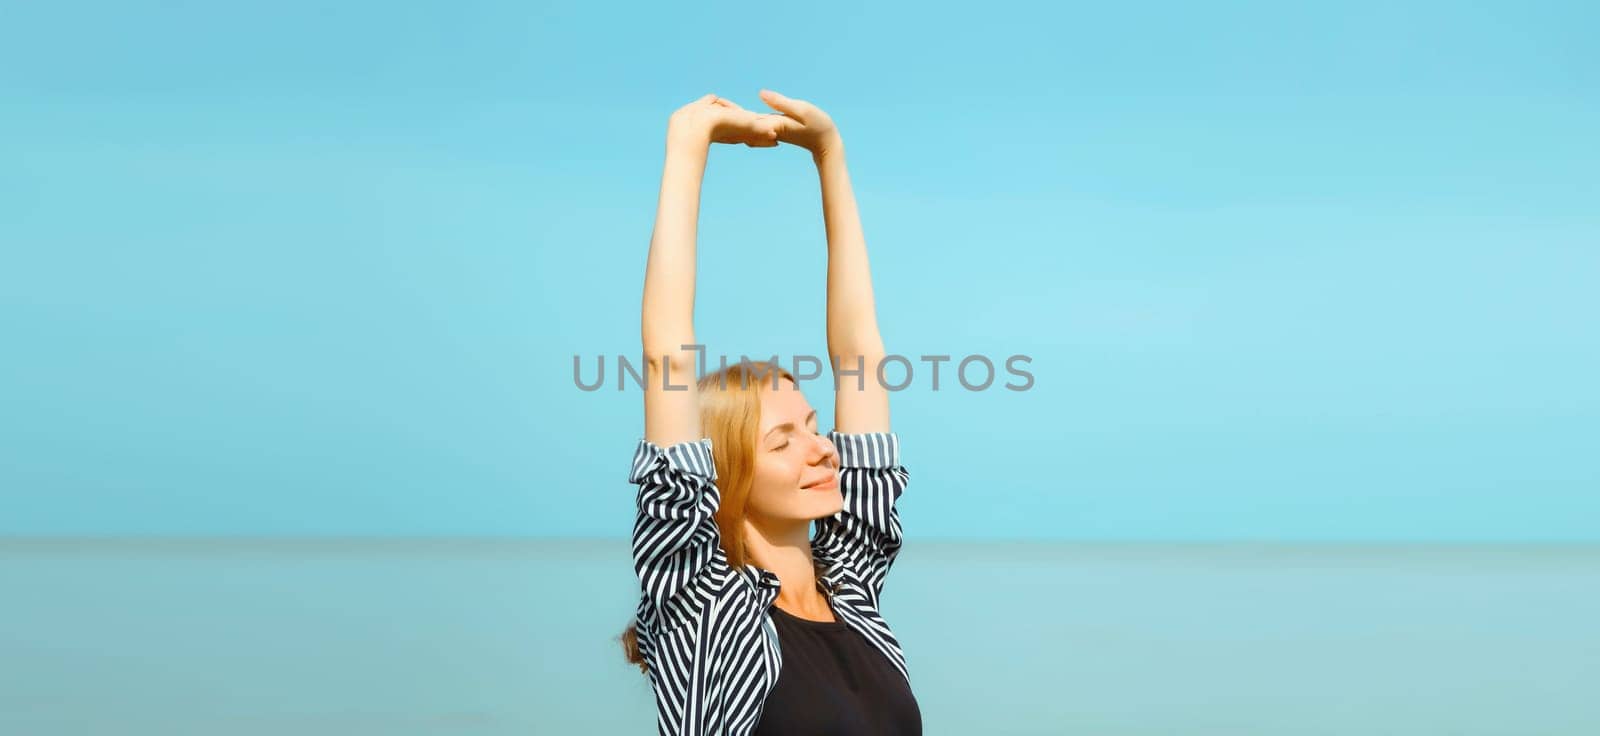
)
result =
(826, 485)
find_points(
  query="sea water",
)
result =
(483, 636)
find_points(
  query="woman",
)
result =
(744, 625)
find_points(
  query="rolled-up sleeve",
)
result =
(866, 533)
(677, 550)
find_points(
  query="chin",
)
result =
(829, 505)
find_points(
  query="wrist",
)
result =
(828, 151)
(687, 139)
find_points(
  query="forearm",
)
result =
(852, 314)
(667, 314)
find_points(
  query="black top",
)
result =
(833, 683)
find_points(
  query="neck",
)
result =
(785, 549)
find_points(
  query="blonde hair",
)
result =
(730, 414)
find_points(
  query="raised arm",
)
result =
(677, 550)
(861, 404)
(667, 310)
(671, 409)
(866, 533)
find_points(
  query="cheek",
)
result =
(776, 473)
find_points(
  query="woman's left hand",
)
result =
(803, 124)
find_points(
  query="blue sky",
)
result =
(1312, 273)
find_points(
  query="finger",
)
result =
(766, 138)
(786, 105)
(781, 127)
(762, 136)
(730, 104)
(764, 126)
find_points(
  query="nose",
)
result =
(827, 455)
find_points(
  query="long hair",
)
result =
(730, 414)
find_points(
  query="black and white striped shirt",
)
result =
(704, 629)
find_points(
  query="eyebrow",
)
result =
(789, 426)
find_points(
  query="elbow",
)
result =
(672, 348)
(675, 360)
(869, 344)
(857, 358)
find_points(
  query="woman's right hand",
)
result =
(712, 119)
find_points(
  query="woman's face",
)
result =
(797, 468)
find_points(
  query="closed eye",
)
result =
(786, 442)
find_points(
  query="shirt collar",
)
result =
(831, 578)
